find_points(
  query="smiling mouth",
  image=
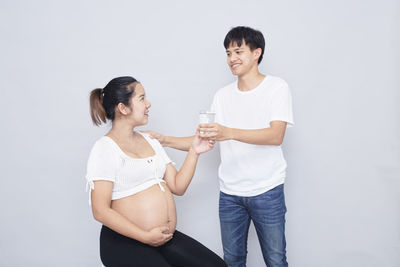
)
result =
(233, 66)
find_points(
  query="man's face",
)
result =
(241, 59)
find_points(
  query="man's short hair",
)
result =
(253, 38)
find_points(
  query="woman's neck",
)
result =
(122, 131)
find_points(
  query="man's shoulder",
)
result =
(227, 88)
(275, 82)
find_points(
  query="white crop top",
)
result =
(130, 175)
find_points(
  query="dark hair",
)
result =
(253, 38)
(103, 101)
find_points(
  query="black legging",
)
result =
(181, 251)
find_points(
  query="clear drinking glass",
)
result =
(206, 117)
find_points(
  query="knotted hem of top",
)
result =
(129, 192)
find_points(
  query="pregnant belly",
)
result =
(149, 208)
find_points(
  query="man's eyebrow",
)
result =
(234, 49)
(142, 95)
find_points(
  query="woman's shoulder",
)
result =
(145, 134)
(104, 145)
(152, 141)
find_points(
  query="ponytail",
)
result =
(97, 111)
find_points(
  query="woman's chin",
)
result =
(142, 122)
(145, 121)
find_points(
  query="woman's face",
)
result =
(139, 106)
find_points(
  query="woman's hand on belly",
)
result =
(158, 236)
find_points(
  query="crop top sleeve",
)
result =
(102, 164)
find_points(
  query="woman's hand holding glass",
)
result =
(201, 145)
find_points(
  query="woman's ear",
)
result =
(122, 109)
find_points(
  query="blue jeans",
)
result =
(267, 211)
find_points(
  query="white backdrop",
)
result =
(341, 59)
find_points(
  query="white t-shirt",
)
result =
(246, 169)
(130, 175)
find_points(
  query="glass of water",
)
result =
(206, 117)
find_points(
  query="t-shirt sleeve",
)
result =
(215, 108)
(281, 106)
(102, 162)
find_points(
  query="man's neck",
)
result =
(250, 80)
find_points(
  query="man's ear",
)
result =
(122, 109)
(257, 53)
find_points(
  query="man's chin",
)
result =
(235, 72)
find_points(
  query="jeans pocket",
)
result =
(231, 208)
(274, 193)
(270, 206)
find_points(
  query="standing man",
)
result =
(252, 115)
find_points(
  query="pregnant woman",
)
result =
(132, 180)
